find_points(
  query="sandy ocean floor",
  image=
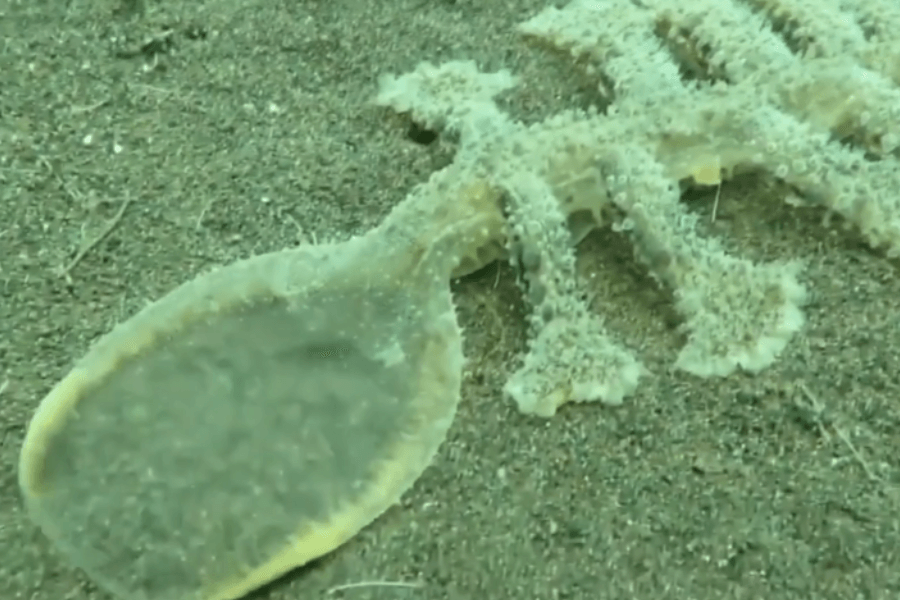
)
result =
(239, 127)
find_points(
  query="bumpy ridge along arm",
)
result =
(865, 30)
(699, 132)
(738, 314)
(570, 357)
(843, 92)
(831, 89)
(444, 96)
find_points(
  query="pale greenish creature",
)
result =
(258, 416)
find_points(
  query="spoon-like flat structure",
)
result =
(252, 420)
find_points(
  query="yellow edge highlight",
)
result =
(394, 478)
(324, 537)
(205, 296)
(146, 327)
(51, 413)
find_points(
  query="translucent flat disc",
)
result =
(209, 447)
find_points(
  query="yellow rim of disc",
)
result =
(220, 291)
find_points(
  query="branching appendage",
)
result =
(756, 100)
(571, 358)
